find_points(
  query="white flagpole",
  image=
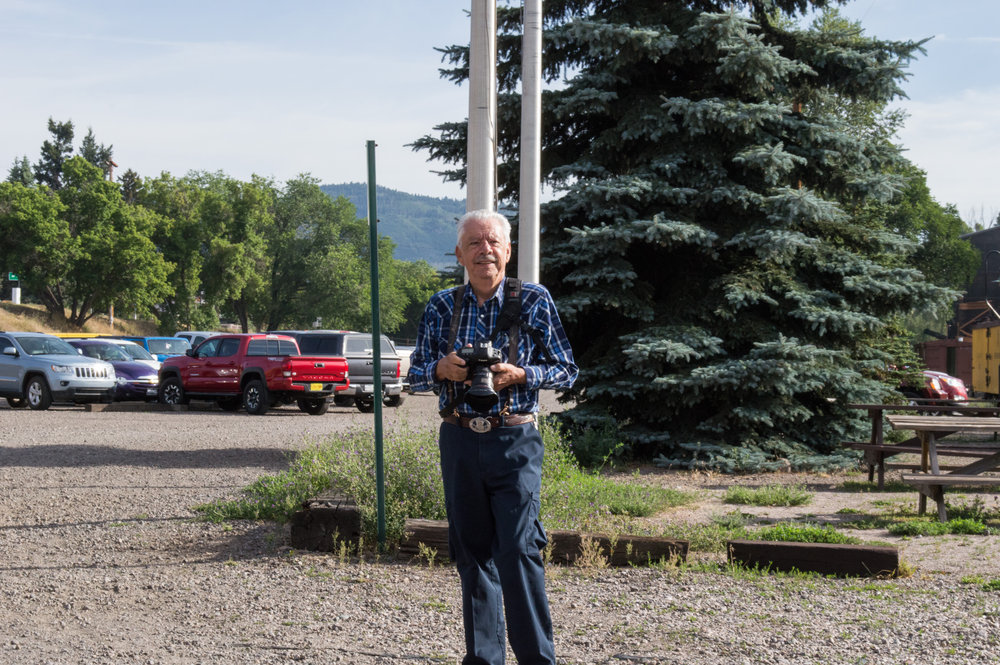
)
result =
(529, 225)
(481, 149)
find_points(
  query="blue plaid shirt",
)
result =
(558, 370)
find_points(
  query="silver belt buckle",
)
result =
(480, 425)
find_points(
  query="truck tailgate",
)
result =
(322, 369)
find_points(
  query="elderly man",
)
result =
(491, 455)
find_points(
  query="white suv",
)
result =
(37, 369)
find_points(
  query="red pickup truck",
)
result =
(256, 371)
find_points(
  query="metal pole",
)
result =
(376, 348)
(528, 210)
(481, 148)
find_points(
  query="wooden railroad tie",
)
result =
(567, 546)
(823, 558)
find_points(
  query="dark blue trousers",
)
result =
(492, 483)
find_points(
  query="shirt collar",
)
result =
(498, 294)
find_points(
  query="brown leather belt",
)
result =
(494, 421)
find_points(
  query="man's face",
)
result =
(483, 251)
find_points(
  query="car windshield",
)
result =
(105, 352)
(38, 346)
(173, 346)
(136, 352)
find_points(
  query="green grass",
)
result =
(931, 527)
(735, 526)
(864, 486)
(704, 537)
(805, 533)
(992, 585)
(571, 498)
(981, 582)
(768, 495)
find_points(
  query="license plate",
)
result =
(316, 387)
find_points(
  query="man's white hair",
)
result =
(486, 215)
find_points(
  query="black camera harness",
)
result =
(509, 319)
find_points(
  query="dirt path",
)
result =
(102, 562)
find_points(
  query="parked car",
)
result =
(136, 352)
(37, 369)
(938, 386)
(135, 380)
(255, 370)
(162, 347)
(356, 348)
(196, 337)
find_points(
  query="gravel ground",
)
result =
(101, 562)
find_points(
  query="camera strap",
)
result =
(450, 409)
(510, 318)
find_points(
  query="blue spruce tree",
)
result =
(723, 301)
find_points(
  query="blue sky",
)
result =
(280, 89)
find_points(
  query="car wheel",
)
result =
(37, 394)
(364, 405)
(229, 403)
(394, 400)
(316, 406)
(172, 392)
(255, 399)
(343, 400)
(17, 402)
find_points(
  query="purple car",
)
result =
(135, 380)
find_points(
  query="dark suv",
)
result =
(356, 348)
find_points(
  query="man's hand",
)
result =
(451, 368)
(505, 375)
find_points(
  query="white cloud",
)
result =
(957, 141)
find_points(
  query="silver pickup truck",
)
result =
(38, 369)
(356, 348)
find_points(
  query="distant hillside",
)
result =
(423, 227)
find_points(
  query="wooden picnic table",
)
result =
(877, 451)
(932, 480)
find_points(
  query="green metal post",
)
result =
(376, 346)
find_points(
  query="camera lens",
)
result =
(480, 395)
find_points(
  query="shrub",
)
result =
(596, 445)
(412, 482)
(571, 498)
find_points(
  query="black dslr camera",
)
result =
(478, 359)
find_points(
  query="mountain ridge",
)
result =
(422, 227)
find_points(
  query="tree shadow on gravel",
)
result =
(71, 456)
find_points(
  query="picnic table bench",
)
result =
(932, 480)
(877, 451)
